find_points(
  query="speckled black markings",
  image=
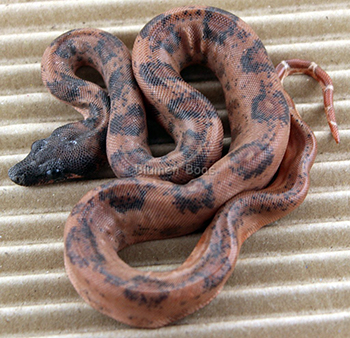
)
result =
(170, 44)
(78, 208)
(113, 41)
(93, 121)
(142, 231)
(191, 138)
(226, 14)
(167, 176)
(71, 241)
(277, 98)
(110, 278)
(257, 114)
(217, 37)
(135, 112)
(66, 50)
(104, 52)
(243, 36)
(131, 291)
(221, 243)
(71, 86)
(253, 171)
(126, 202)
(117, 157)
(250, 59)
(170, 232)
(190, 114)
(281, 100)
(126, 125)
(262, 166)
(213, 281)
(147, 73)
(145, 31)
(86, 238)
(193, 204)
(116, 83)
(146, 300)
(138, 155)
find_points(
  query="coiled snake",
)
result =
(264, 176)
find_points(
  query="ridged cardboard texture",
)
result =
(292, 278)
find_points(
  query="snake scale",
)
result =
(264, 175)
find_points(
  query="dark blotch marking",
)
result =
(130, 200)
(105, 54)
(219, 37)
(191, 142)
(256, 113)
(74, 257)
(116, 83)
(247, 172)
(124, 203)
(146, 300)
(284, 118)
(132, 124)
(170, 43)
(223, 12)
(137, 156)
(147, 71)
(87, 240)
(65, 50)
(144, 33)
(277, 99)
(193, 204)
(249, 59)
(70, 85)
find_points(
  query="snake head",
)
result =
(71, 151)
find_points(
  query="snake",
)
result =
(263, 176)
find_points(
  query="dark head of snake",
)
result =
(50, 159)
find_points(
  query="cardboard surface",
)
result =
(292, 278)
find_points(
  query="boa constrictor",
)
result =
(264, 175)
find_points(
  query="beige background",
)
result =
(292, 278)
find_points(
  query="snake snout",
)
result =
(16, 176)
(31, 172)
(21, 174)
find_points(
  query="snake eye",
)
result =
(71, 143)
(54, 174)
(38, 145)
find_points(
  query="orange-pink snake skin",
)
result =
(264, 175)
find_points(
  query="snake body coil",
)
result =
(263, 177)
